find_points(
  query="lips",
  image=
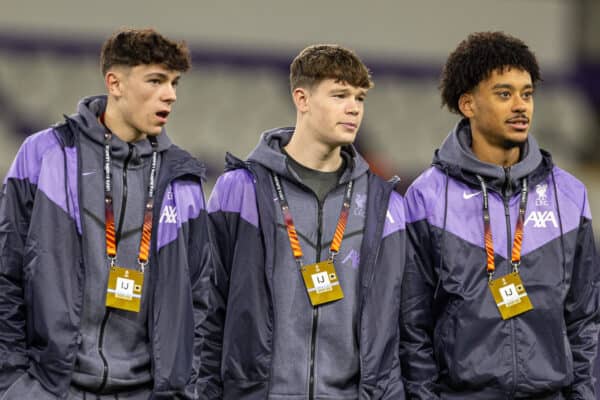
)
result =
(518, 123)
(163, 115)
(349, 125)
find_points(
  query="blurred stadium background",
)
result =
(242, 49)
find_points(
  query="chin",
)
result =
(154, 131)
(512, 142)
(349, 139)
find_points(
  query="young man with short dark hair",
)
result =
(310, 248)
(500, 297)
(103, 241)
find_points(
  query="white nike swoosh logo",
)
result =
(88, 173)
(468, 196)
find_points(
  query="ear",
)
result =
(301, 97)
(113, 83)
(466, 105)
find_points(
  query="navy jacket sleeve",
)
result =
(582, 307)
(419, 368)
(16, 202)
(232, 197)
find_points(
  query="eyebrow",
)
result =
(347, 91)
(508, 86)
(156, 74)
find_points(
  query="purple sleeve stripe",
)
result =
(427, 186)
(28, 161)
(183, 201)
(573, 189)
(234, 192)
(394, 217)
(415, 208)
(50, 179)
(73, 174)
(587, 213)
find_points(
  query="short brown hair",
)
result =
(328, 61)
(133, 47)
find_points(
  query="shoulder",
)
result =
(426, 188)
(389, 200)
(234, 189)
(571, 189)
(567, 183)
(31, 155)
(431, 180)
(177, 158)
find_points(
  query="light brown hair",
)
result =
(328, 61)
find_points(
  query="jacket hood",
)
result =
(89, 109)
(268, 152)
(458, 160)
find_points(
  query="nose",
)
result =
(169, 94)
(519, 104)
(353, 107)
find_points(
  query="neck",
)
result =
(115, 123)
(314, 155)
(494, 154)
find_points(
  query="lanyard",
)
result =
(111, 242)
(489, 244)
(338, 236)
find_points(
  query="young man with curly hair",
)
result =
(103, 240)
(501, 292)
(310, 248)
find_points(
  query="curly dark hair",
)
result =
(477, 57)
(133, 47)
(328, 61)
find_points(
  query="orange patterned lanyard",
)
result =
(489, 244)
(338, 236)
(111, 241)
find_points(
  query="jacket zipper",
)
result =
(315, 313)
(509, 260)
(118, 234)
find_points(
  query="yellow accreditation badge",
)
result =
(510, 295)
(322, 283)
(124, 289)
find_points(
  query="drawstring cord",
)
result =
(562, 239)
(442, 241)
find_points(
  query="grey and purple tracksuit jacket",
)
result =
(262, 337)
(42, 271)
(454, 343)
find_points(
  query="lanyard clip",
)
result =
(112, 260)
(143, 265)
(490, 276)
(332, 254)
(515, 265)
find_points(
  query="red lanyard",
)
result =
(338, 236)
(489, 244)
(111, 241)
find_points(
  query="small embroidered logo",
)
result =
(354, 258)
(361, 202)
(542, 199)
(468, 196)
